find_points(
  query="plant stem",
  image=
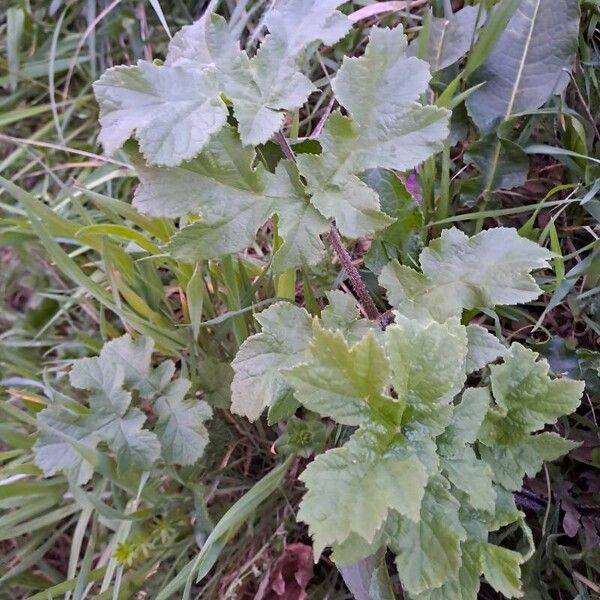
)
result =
(358, 285)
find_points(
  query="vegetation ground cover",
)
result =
(302, 279)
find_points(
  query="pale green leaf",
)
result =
(484, 348)
(502, 569)
(352, 203)
(206, 43)
(351, 489)
(355, 548)
(341, 314)
(427, 361)
(300, 23)
(467, 418)
(449, 38)
(342, 382)
(527, 398)
(506, 510)
(473, 477)
(490, 269)
(105, 380)
(512, 462)
(257, 383)
(221, 175)
(380, 90)
(428, 551)
(134, 446)
(180, 427)
(523, 70)
(233, 199)
(53, 450)
(263, 88)
(465, 584)
(133, 356)
(388, 128)
(300, 224)
(122, 366)
(173, 110)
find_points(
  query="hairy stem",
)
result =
(358, 285)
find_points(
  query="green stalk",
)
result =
(443, 208)
(240, 330)
(285, 284)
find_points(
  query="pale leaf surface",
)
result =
(502, 569)
(492, 268)
(526, 457)
(180, 427)
(484, 348)
(351, 489)
(467, 418)
(527, 397)
(173, 110)
(428, 551)
(427, 362)
(342, 382)
(257, 382)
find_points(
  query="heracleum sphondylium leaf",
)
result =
(299, 23)
(234, 199)
(173, 110)
(342, 382)
(527, 398)
(484, 348)
(380, 90)
(68, 433)
(352, 489)
(465, 421)
(428, 369)
(387, 128)
(492, 268)
(502, 569)
(207, 43)
(428, 549)
(264, 87)
(60, 432)
(257, 381)
(510, 462)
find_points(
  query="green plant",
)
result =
(427, 478)
(424, 474)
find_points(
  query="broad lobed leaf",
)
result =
(71, 433)
(491, 268)
(258, 381)
(351, 489)
(175, 108)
